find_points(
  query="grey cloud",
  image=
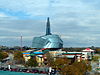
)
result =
(77, 19)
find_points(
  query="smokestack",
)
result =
(48, 32)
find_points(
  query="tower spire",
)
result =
(48, 32)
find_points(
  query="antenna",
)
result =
(21, 42)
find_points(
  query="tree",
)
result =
(92, 47)
(66, 67)
(31, 62)
(96, 58)
(18, 57)
(82, 66)
(97, 50)
(49, 59)
(3, 55)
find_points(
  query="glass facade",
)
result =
(48, 41)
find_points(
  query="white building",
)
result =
(87, 53)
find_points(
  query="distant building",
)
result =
(89, 50)
(77, 56)
(87, 53)
(56, 53)
(26, 56)
(47, 41)
(38, 55)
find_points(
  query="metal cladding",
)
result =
(47, 41)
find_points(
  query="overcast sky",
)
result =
(76, 21)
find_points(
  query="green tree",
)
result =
(31, 62)
(66, 67)
(3, 55)
(97, 50)
(18, 57)
(96, 58)
(50, 59)
(82, 66)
